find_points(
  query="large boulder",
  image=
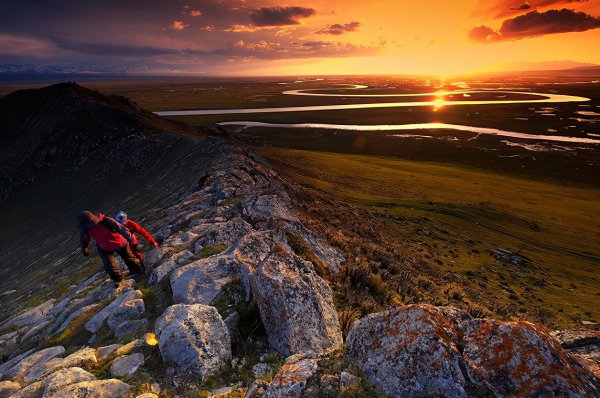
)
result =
(296, 305)
(110, 388)
(200, 282)
(520, 359)
(441, 351)
(409, 350)
(194, 337)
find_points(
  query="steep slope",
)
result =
(64, 148)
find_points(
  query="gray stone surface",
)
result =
(73, 316)
(426, 359)
(130, 327)
(200, 282)
(105, 351)
(162, 271)
(291, 380)
(194, 337)
(30, 316)
(97, 321)
(36, 359)
(232, 322)
(64, 377)
(126, 311)
(127, 365)
(33, 390)
(82, 357)
(110, 388)
(296, 305)
(35, 331)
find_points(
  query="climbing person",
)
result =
(110, 237)
(135, 228)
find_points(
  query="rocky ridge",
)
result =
(238, 229)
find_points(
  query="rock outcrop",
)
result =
(296, 305)
(426, 350)
(194, 337)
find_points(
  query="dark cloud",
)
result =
(261, 49)
(535, 24)
(338, 28)
(111, 49)
(280, 16)
(506, 8)
(159, 34)
(522, 7)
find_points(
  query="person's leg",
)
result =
(130, 260)
(137, 252)
(110, 264)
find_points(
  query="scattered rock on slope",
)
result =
(293, 377)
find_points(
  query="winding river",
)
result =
(415, 126)
(544, 98)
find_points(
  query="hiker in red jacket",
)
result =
(110, 237)
(135, 228)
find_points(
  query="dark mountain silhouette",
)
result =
(59, 124)
(65, 148)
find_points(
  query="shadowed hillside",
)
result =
(64, 148)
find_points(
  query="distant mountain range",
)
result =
(30, 71)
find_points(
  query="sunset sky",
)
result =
(269, 37)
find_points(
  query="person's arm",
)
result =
(120, 228)
(84, 241)
(137, 228)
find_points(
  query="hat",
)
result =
(86, 219)
(121, 217)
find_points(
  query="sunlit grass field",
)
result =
(453, 215)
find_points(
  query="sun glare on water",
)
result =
(438, 103)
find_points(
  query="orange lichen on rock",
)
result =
(440, 351)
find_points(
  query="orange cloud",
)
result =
(179, 25)
(245, 28)
(195, 13)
